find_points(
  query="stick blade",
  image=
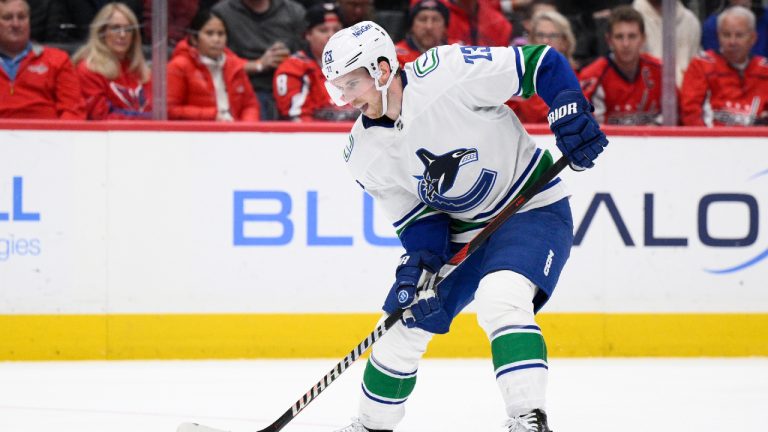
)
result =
(194, 427)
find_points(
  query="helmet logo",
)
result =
(328, 57)
(361, 30)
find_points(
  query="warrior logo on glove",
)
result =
(561, 112)
(402, 296)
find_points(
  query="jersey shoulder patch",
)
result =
(426, 63)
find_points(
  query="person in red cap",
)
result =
(298, 86)
(427, 28)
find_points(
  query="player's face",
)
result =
(119, 34)
(428, 29)
(626, 41)
(318, 35)
(546, 32)
(212, 38)
(357, 89)
(14, 26)
(736, 38)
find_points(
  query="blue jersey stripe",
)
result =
(392, 371)
(410, 214)
(382, 401)
(518, 56)
(520, 367)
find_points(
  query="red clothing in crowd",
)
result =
(192, 95)
(299, 90)
(122, 98)
(618, 100)
(531, 110)
(180, 14)
(488, 26)
(46, 87)
(406, 51)
(716, 93)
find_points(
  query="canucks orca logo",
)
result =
(440, 173)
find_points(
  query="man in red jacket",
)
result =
(477, 22)
(624, 86)
(299, 84)
(729, 87)
(36, 82)
(427, 24)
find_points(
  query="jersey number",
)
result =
(472, 53)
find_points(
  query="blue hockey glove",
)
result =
(427, 312)
(415, 270)
(577, 133)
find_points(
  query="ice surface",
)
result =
(451, 395)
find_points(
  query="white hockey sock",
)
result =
(390, 376)
(504, 302)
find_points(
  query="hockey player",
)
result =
(438, 149)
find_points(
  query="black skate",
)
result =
(534, 421)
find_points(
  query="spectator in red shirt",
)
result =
(477, 22)
(207, 81)
(553, 29)
(625, 85)
(36, 82)
(729, 87)
(427, 24)
(113, 72)
(299, 83)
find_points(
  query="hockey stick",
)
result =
(446, 270)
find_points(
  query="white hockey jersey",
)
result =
(456, 148)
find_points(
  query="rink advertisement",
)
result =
(130, 244)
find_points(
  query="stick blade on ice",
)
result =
(194, 427)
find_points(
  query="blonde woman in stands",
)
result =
(553, 29)
(113, 73)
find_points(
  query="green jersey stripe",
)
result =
(531, 56)
(515, 347)
(427, 211)
(387, 386)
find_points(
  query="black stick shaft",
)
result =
(457, 259)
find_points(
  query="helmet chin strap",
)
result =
(383, 90)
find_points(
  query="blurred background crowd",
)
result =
(251, 60)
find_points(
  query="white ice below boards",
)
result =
(596, 395)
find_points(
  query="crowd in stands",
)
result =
(251, 60)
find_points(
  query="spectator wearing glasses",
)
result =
(36, 82)
(547, 28)
(113, 72)
(728, 87)
(427, 24)
(299, 86)
(207, 81)
(72, 18)
(625, 85)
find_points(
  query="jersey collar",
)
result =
(384, 121)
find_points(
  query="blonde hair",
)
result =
(563, 26)
(97, 55)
